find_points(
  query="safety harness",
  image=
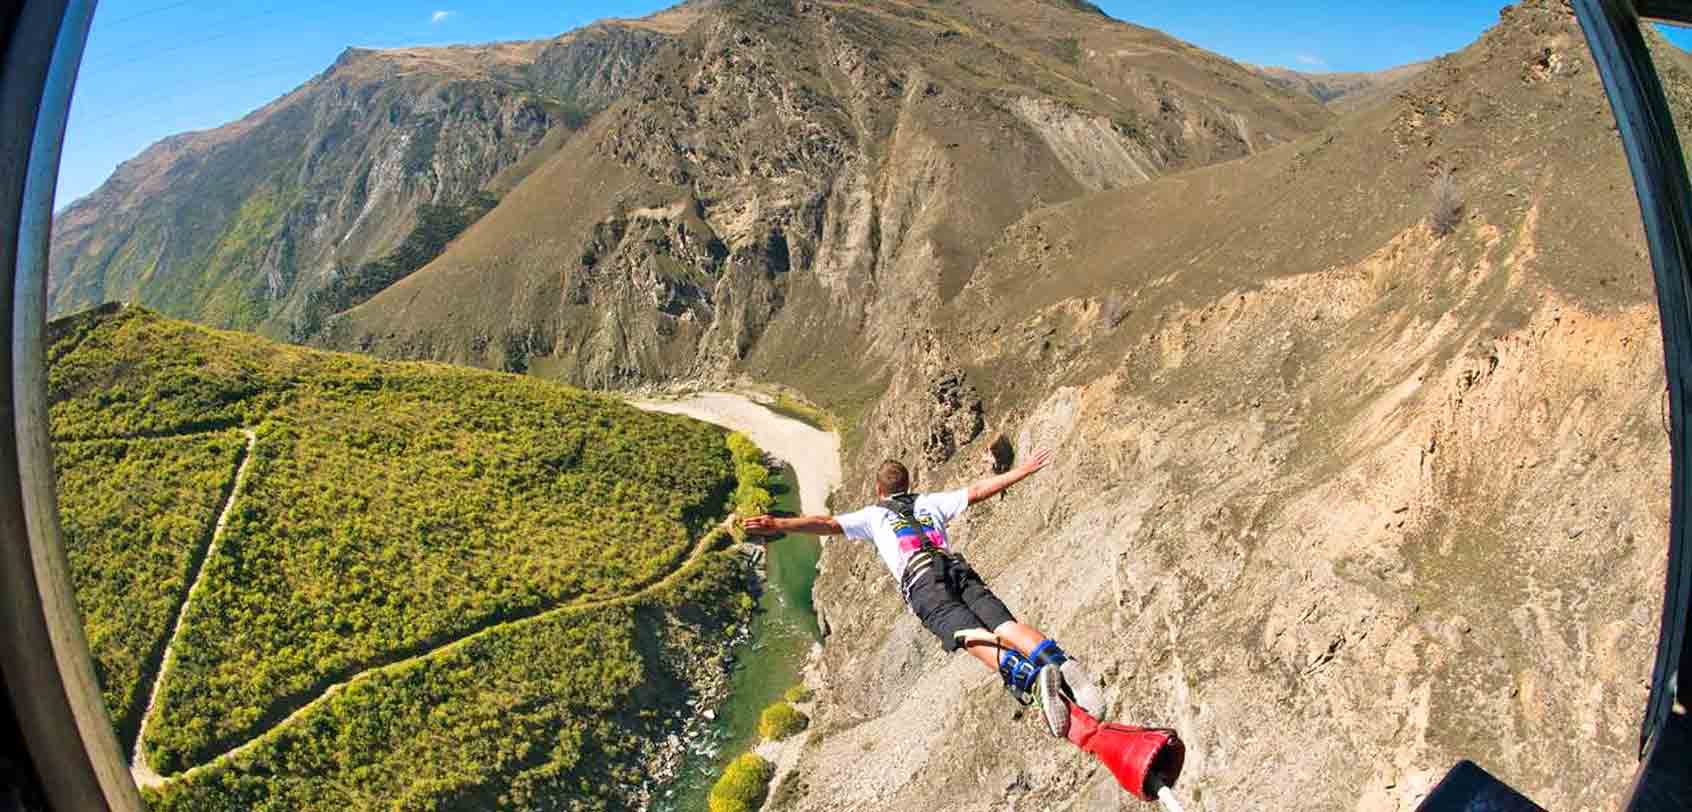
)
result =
(929, 556)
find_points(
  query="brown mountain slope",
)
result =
(786, 168)
(1344, 92)
(1342, 499)
(237, 226)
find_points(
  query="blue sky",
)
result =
(158, 67)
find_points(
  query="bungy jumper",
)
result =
(1145, 761)
(952, 601)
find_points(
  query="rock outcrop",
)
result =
(850, 162)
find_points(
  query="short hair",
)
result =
(892, 478)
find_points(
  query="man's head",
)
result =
(892, 479)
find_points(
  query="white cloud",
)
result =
(1311, 60)
(441, 16)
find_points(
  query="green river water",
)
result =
(783, 631)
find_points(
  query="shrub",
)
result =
(744, 450)
(798, 693)
(781, 720)
(752, 496)
(1069, 50)
(743, 785)
(1447, 203)
(387, 506)
(755, 475)
(544, 688)
(752, 501)
(790, 406)
(135, 514)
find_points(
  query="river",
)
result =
(785, 627)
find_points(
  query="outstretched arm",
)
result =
(984, 488)
(771, 525)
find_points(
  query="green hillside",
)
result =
(135, 512)
(387, 512)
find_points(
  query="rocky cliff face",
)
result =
(1342, 499)
(788, 170)
(237, 226)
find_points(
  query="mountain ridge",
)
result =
(236, 225)
(854, 114)
(1346, 90)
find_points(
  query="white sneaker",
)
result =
(1083, 690)
(1048, 688)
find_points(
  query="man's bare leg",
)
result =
(1025, 638)
(1020, 636)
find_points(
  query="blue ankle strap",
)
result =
(1047, 653)
(1017, 670)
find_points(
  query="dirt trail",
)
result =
(144, 775)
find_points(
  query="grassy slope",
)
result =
(551, 714)
(391, 507)
(135, 514)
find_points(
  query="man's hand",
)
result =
(764, 525)
(994, 485)
(1039, 459)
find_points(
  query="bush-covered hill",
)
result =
(554, 713)
(388, 510)
(135, 514)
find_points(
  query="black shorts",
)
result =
(949, 597)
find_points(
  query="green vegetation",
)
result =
(790, 406)
(127, 373)
(781, 720)
(1069, 50)
(389, 508)
(743, 786)
(420, 149)
(240, 253)
(549, 713)
(135, 517)
(784, 628)
(751, 496)
(436, 227)
(798, 693)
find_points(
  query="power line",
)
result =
(256, 69)
(139, 14)
(169, 114)
(180, 41)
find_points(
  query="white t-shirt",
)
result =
(895, 541)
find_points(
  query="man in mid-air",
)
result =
(946, 594)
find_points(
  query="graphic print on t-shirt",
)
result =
(897, 540)
(911, 536)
